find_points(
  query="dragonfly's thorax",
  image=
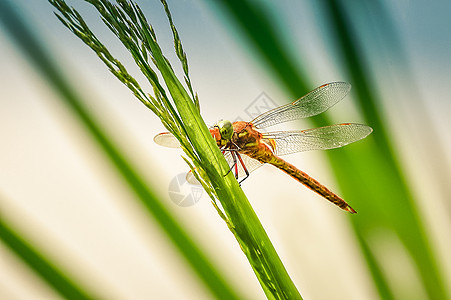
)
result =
(244, 137)
(248, 140)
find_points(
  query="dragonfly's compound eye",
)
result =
(225, 129)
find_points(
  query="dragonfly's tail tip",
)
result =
(350, 209)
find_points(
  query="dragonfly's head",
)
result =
(225, 129)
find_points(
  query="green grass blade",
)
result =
(34, 51)
(37, 261)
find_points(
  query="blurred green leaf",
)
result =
(44, 267)
(396, 201)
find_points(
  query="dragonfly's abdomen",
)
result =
(310, 182)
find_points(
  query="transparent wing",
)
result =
(315, 102)
(166, 139)
(321, 138)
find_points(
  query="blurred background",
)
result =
(61, 194)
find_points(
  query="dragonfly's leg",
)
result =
(244, 168)
(234, 162)
(236, 167)
(236, 147)
(235, 154)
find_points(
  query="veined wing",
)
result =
(317, 101)
(322, 138)
(166, 139)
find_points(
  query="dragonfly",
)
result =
(246, 147)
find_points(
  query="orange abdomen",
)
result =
(310, 182)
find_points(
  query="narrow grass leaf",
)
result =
(42, 265)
